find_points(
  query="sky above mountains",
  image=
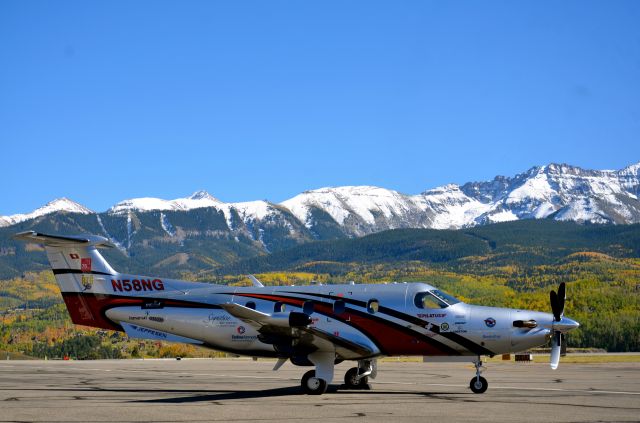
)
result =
(101, 102)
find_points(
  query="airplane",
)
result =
(315, 325)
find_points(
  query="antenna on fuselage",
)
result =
(255, 281)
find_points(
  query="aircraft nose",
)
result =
(565, 325)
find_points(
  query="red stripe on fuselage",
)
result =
(89, 309)
(389, 338)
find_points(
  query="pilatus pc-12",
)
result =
(317, 325)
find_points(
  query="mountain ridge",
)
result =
(545, 188)
(555, 191)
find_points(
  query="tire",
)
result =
(351, 382)
(478, 385)
(311, 385)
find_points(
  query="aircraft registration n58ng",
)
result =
(318, 325)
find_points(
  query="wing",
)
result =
(296, 326)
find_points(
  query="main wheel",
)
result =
(478, 385)
(312, 385)
(351, 380)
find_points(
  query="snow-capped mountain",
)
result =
(197, 200)
(562, 192)
(556, 191)
(62, 205)
(359, 210)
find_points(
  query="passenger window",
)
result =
(307, 308)
(251, 305)
(339, 307)
(372, 306)
(279, 307)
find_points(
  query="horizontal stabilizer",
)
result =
(141, 332)
(63, 241)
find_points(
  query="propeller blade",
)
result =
(556, 341)
(561, 297)
(553, 298)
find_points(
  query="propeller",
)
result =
(557, 307)
(556, 345)
(557, 302)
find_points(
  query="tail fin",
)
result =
(72, 254)
(78, 267)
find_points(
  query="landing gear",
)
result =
(315, 382)
(354, 380)
(312, 385)
(478, 384)
(358, 377)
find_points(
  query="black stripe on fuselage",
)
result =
(454, 337)
(164, 301)
(434, 343)
(78, 271)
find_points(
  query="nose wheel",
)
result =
(358, 377)
(478, 384)
(355, 379)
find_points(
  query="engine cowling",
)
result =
(293, 319)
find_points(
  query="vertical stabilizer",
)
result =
(79, 268)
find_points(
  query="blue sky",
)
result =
(102, 101)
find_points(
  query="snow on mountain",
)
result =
(584, 210)
(253, 210)
(571, 192)
(57, 205)
(197, 200)
(451, 207)
(557, 191)
(359, 209)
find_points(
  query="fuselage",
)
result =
(385, 319)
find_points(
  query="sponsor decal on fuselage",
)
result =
(431, 315)
(147, 316)
(87, 282)
(128, 285)
(490, 322)
(149, 331)
(241, 337)
(490, 336)
(85, 264)
(459, 327)
(220, 320)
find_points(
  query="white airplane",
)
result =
(317, 325)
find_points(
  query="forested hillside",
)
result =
(511, 264)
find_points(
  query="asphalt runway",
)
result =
(238, 390)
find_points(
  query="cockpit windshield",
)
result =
(434, 299)
(449, 299)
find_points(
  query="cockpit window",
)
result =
(434, 299)
(449, 299)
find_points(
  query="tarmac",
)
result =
(237, 390)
